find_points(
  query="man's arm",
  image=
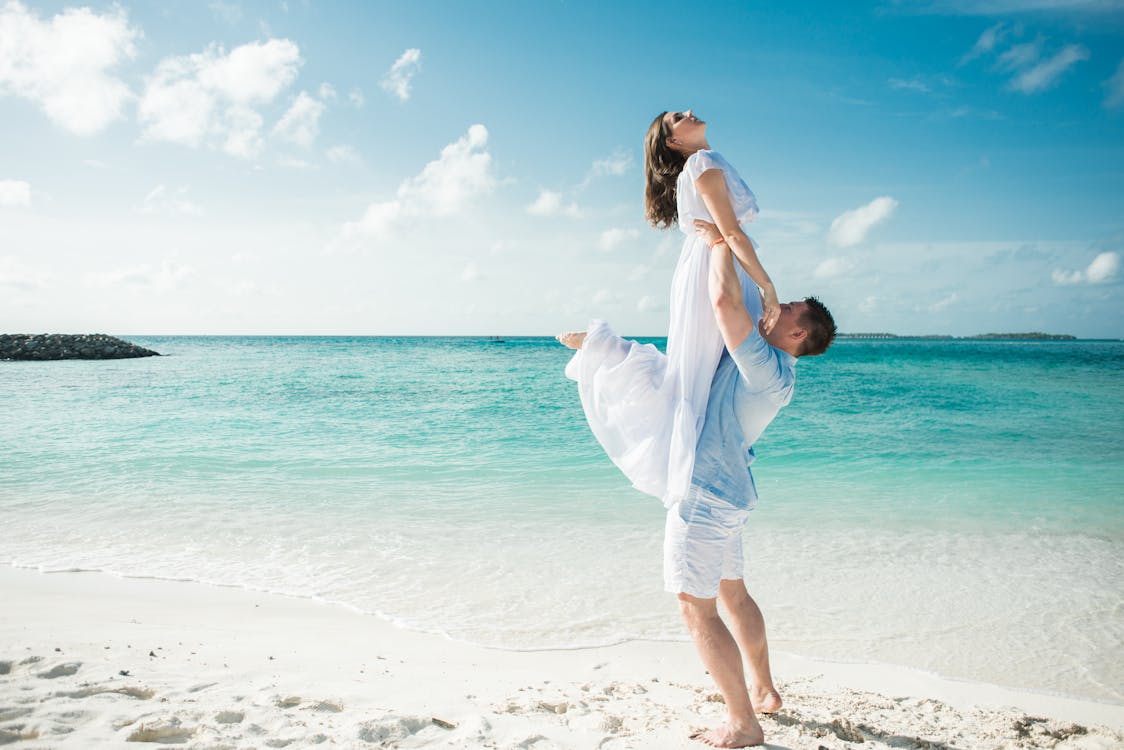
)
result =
(734, 321)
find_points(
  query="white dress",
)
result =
(646, 409)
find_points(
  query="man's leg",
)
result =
(720, 656)
(748, 626)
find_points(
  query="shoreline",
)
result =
(894, 672)
(191, 662)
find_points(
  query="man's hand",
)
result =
(771, 309)
(707, 231)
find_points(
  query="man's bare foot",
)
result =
(573, 339)
(765, 701)
(728, 735)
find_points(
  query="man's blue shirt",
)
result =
(750, 386)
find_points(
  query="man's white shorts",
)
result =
(702, 544)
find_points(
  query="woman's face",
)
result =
(685, 131)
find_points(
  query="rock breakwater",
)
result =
(45, 346)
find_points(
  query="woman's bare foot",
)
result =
(765, 701)
(728, 735)
(573, 339)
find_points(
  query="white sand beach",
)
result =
(91, 660)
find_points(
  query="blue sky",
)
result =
(476, 168)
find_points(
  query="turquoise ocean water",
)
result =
(951, 506)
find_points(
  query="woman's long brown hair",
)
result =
(662, 166)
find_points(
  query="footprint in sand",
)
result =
(7, 713)
(61, 670)
(393, 728)
(5, 667)
(132, 692)
(333, 707)
(15, 733)
(229, 717)
(612, 724)
(290, 702)
(167, 732)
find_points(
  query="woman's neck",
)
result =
(688, 153)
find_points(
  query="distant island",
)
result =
(1031, 336)
(47, 346)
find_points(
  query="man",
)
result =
(703, 537)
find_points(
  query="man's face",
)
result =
(787, 325)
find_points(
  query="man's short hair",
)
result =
(819, 324)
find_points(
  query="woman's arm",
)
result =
(711, 186)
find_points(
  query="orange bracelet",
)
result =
(717, 242)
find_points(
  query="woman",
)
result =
(645, 408)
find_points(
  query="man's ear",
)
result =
(798, 334)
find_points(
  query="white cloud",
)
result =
(15, 194)
(945, 303)
(617, 163)
(832, 267)
(648, 304)
(210, 96)
(165, 278)
(1068, 278)
(913, 84)
(470, 273)
(851, 227)
(327, 92)
(986, 42)
(443, 188)
(1115, 85)
(64, 64)
(301, 123)
(343, 154)
(550, 203)
(162, 201)
(1020, 55)
(355, 96)
(397, 79)
(1047, 72)
(242, 128)
(1104, 268)
(463, 171)
(613, 238)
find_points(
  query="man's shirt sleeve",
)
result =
(764, 369)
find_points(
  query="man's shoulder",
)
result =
(763, 368)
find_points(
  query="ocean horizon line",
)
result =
(497, 337)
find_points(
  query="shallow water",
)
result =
(954, 506)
